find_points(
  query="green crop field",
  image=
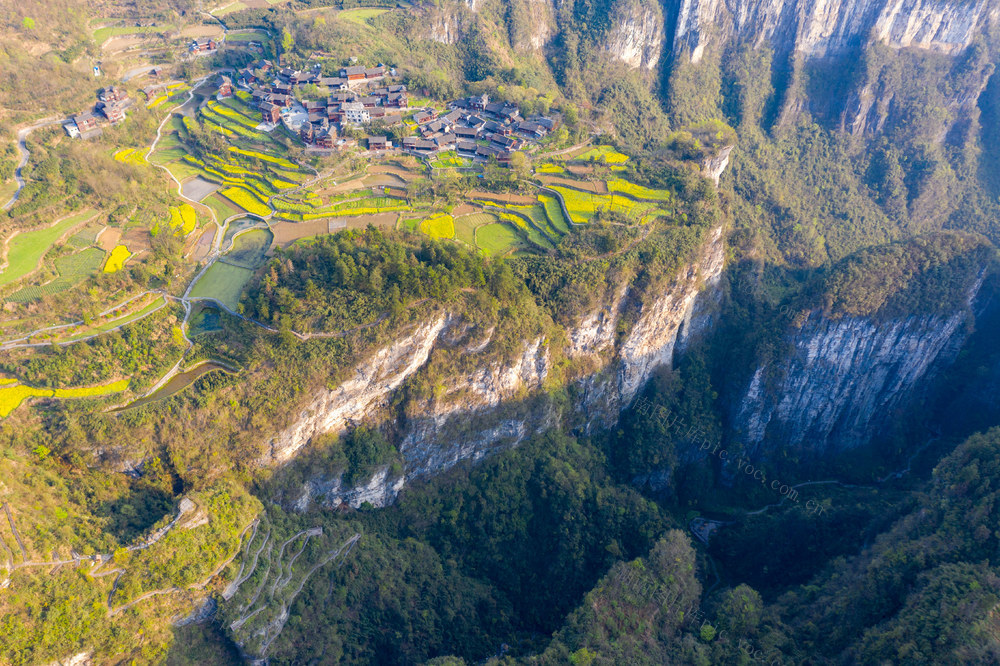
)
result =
(525, 229)
(450, 159)
(497, 238)
(554, 211)
(465, 226)
(541, 220)
(222, 207)
(73, 269)
(27, 248)
(251, 36)
(223, 282)
(232, 7)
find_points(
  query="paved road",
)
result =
(23, 149)
(132, 73)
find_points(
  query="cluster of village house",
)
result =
(474, 126)
(111, 105)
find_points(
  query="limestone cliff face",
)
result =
(501, 403)
(356, 398)
(819, 28)
(843, 380)
(637, 34)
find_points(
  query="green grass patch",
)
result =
(361, 16)
(124, 319)
(224, 283)
(26, 249)
(497, 239)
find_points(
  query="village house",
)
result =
(225, 86)
(333, 82)
(151, 92)
(354, 113)
(113, 111)
(378, 143)
(352, 74)
(531, 130)
(203, 45)
(425, 146)
(325, 138)
(421, 117)
(112, 94)
(271, 112)
(396, 99)
(85, 121)
(445, 141)
(258, 97)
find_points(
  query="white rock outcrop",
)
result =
(353, 400)
(637, 34)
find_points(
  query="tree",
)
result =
(28, 23)
(287, 41)
(519, 163)
(571, 115)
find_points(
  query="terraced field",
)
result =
(224, 283)
(73, 269)
(465, 226)
(497, 239)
